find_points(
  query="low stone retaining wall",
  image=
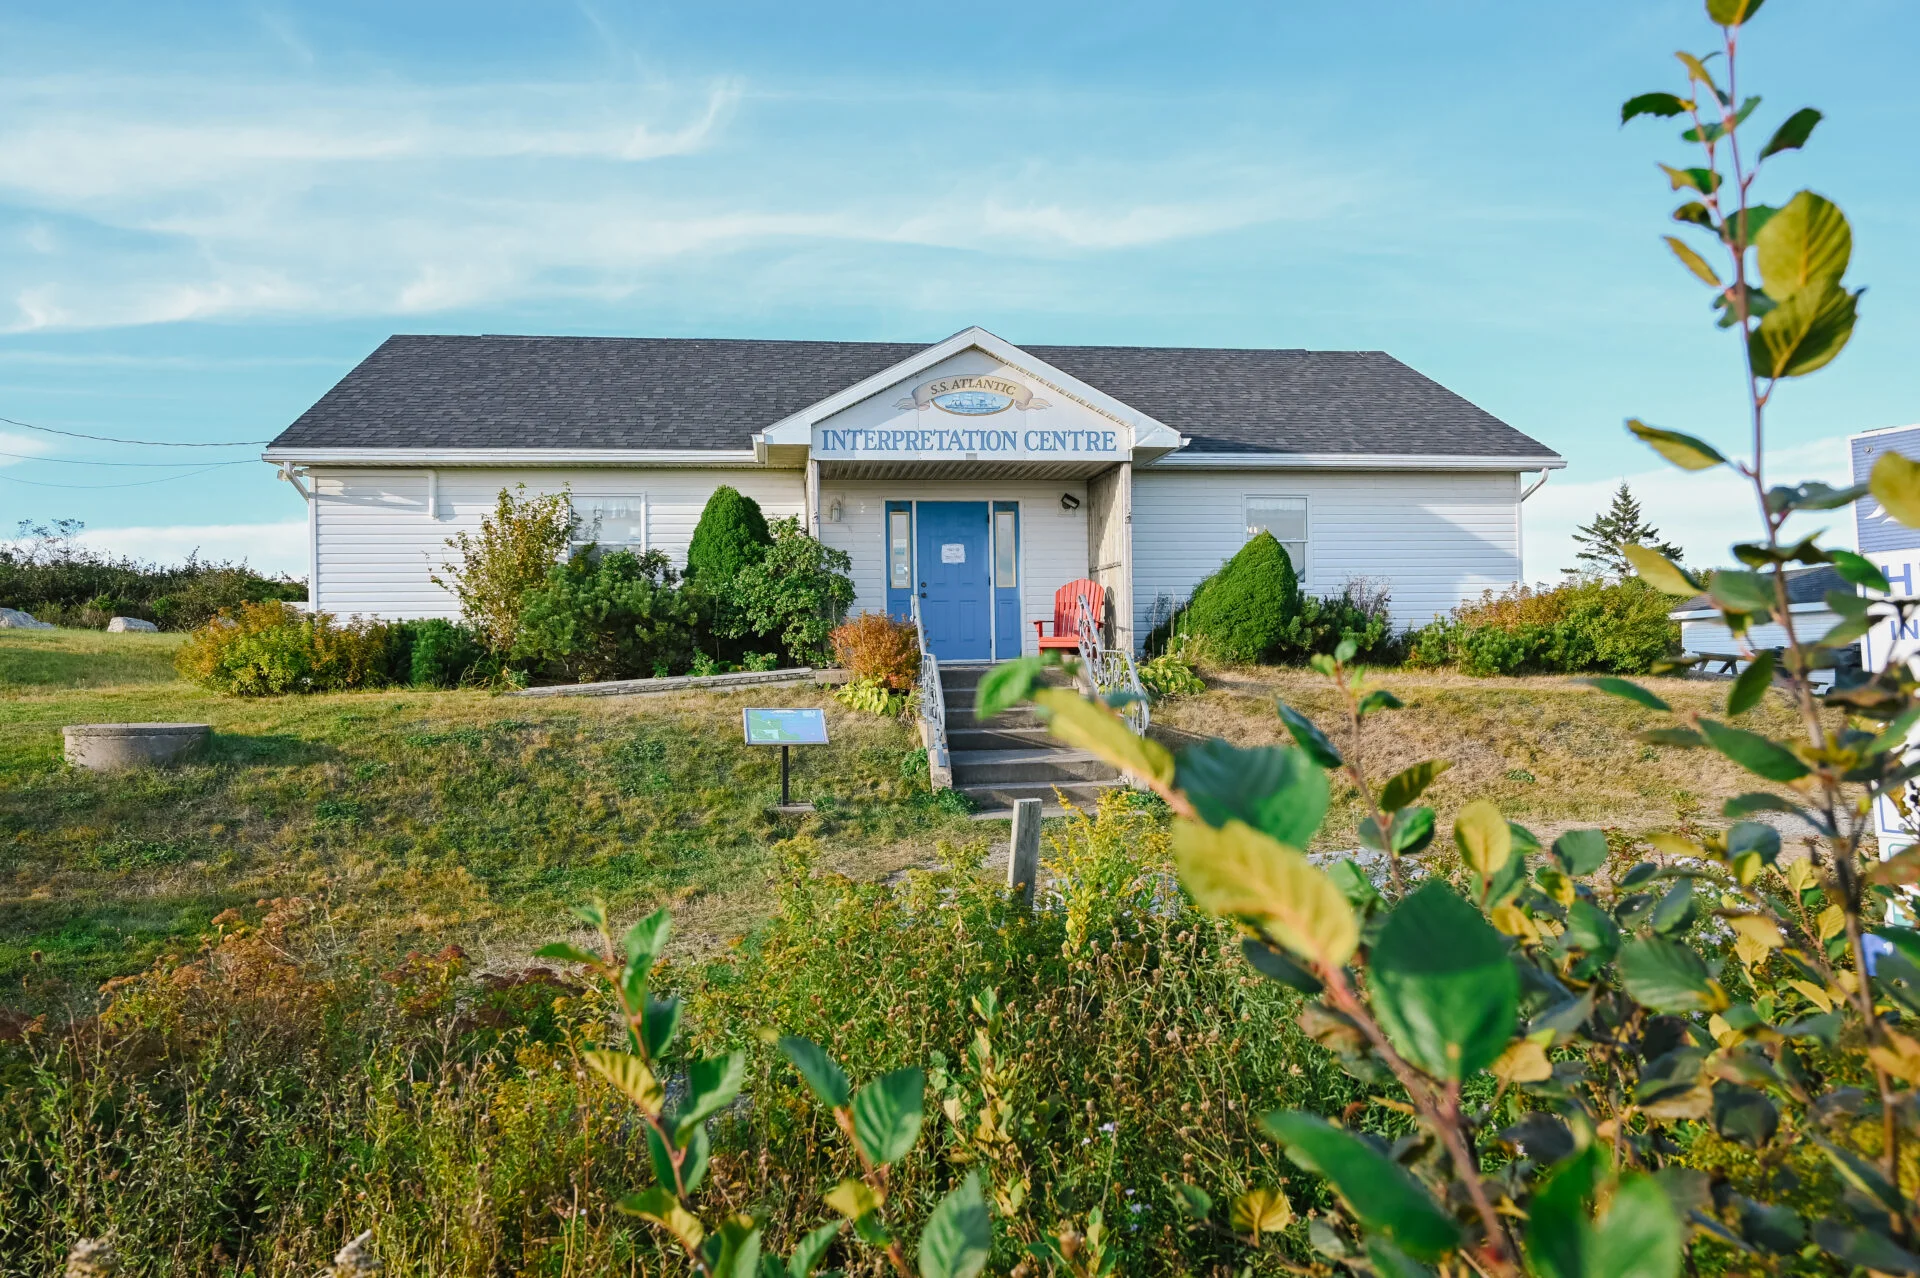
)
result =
(109, 747)
(678, 683)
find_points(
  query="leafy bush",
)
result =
(1170, 675)
(731, 534)
(870, 694)
(268, 649)
(606, 616)
(441, 654)
(511, 555)
(874, 645)
(1357, 613)
(1583, 624)
(50, 575)
(1239, 614)
(796, 592)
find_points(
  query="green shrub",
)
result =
(441, 654)
(269, 649)
(606, 616)
(511, 555)
(1356, 614)
(1584, 624)
(1170, 675)
(731, 534)
(50, 575)
(1239, 614)
(870, 694)
(796, 593)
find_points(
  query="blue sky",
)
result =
(208, 212)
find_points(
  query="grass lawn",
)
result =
(1550, 752)
(418, 818)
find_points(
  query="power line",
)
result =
(145, 443)
(85, 461)
(138, 483)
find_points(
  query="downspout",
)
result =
(1536, 485)
(292, 474)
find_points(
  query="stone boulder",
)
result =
(121, 625)
(14, 619)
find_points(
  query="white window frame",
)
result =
(1302, 562)
(583, 505)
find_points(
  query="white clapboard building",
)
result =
(979, 475)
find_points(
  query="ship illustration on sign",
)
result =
(971, 396)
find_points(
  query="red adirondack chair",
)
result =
(1066, 613)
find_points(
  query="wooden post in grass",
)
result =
(1023, 860)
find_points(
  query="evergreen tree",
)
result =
(731, 534)
(1620, 524)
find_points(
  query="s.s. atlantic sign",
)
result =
(970, 396)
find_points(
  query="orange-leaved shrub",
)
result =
(875, 646)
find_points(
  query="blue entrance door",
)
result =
(954, 579)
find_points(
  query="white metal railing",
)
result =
(1112, 670)
(933, 707)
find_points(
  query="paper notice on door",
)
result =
(953, 552)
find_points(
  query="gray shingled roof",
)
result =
(1804, 586)
(422, 391)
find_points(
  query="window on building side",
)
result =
(1006, 549)
(1286, 519)
(611, 523)
(899, 550)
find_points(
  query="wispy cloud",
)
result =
(1703, 512)
(16, 447)
(269, 548)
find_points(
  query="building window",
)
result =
(899, 550)
(611, 523)
(1286, 519)
(1006, 549)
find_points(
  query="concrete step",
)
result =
(995, 802)
(997, 737)
(965, 678)
(993, 767)
(960, 716)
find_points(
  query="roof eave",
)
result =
(722, 457)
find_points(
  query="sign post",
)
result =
(785, 727)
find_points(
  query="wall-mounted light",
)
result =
(834, 511)
(1069, 502)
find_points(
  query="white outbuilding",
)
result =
(978, 475)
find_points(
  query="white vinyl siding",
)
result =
(1053, 541)
(376, 543)
(1436, 538)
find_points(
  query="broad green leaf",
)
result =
(647, 938)
(1660, 572)
(1278, 965)
(1864, 1249)
(1092, 726)
(1625, 688)
(1667, 976)
(630, 1077)
(737, 1253)
(1408, 785)
(854, 1199)
(808, 1252)
(1754, 752)
(1590, 928)
(593, 914)
(1731, 13)
(1894, 735)
(1639, 1236)
(1443, 986)
(1740, 229)
(1390, 1262)
(1694, 213)
(1895, 484)
(1380, 1192)
(1239, 872)
(1752, 684)
(1355, 886)
(1581, 852)
(1660, 104)
(887, 1114)
(662, 1208)
(1275, 790)
(1792, 133)
(1744, 1114)
(1378, 699)
(1714, 130)
(1748, 592)
(1859, 570)
(1692, 260)
(958, 1237)
(1196, 1202)
(1007, 685)
(1559, 1234)
(1804, 333)
(1482, 836)
(1743, 804)
(693, 1163)
(712, 1084)
(1705, 181)
(1310, 738)
(566, 953)
(1753, 836)
(1813, 495)
(1685, 738)
(1684, 451)
(1862, 1175)
(658, 1025)
(1411, 831)
(1346, 650)
(825, 1080)
(1807, 243)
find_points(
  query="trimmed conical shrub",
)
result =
(731, 534)
(1240, 613)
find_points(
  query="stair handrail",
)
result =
(1112, 670)
(933, 707)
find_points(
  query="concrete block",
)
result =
(109, 747)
